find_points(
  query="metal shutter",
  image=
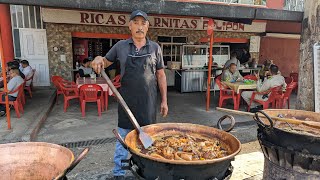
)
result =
(316, 60)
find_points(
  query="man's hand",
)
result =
(164, 109)
(98, 63)
(239, 79)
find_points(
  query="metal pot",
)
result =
(35, 160)
(289, 140)
(153, 168)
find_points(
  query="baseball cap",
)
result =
(138, 13)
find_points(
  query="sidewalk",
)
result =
(34, 111)
(68, 127)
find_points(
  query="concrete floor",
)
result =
(69, 127)
(33, 109)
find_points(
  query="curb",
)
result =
(33, 130)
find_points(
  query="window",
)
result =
(174, 39)
(24, 17)
(171, 47)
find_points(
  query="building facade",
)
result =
(54, 39)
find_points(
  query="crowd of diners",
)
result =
(18, 71)
(266, 78)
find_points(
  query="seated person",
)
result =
(15, 65)
(273, 81)
(231, 74)
(13, 84)
(27, 71)
(265, 68)
(233, 60)
(18, 61)
(85, 70)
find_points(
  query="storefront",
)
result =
(73, 35)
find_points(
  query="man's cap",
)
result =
(138, 13)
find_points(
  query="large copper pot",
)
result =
(302, 142)
(33, 160)
(152, 168)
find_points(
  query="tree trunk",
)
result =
(310, 35)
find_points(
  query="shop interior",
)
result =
(90, 48)
(177, 54)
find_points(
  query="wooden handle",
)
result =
(313, 124)
(122, 102)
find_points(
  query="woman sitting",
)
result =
(85, 70)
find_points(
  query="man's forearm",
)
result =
(106, 62)
(162, 81)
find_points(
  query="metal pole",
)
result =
(4, 75)
(209, 72)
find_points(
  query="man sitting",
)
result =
(13, 84)
(15, 65)
(85, 70)
(233, 60)
(231, 74)
(272, 81)
(27, 71)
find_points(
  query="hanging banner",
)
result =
(156, 21)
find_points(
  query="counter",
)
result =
(194, 80)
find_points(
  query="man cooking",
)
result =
(141, 64)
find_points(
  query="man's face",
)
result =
(24, 65)
(139, 27)
(233, 68)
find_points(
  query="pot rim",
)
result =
(34, 144)
(269, 128)
(180, 162)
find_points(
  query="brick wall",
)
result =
(60, 35)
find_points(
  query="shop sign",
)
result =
(156, 21)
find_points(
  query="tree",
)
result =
(310, 35)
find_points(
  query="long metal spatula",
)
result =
(145, 139)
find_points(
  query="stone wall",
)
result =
(310, 35)
(61, 35)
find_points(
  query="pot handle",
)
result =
(233, 122)
(119, 138)
(82, 155)
(258, 120)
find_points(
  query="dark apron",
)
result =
(139, 89)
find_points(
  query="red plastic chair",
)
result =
(54, 78)
(295, 78)
(91, 93)
(70, 91)
(23, 97)
(56, 82)
(226, 93)
(17, 104)
(286, 96)
(288, 80)
(29, 88)
(251, 77)
(274, 94)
